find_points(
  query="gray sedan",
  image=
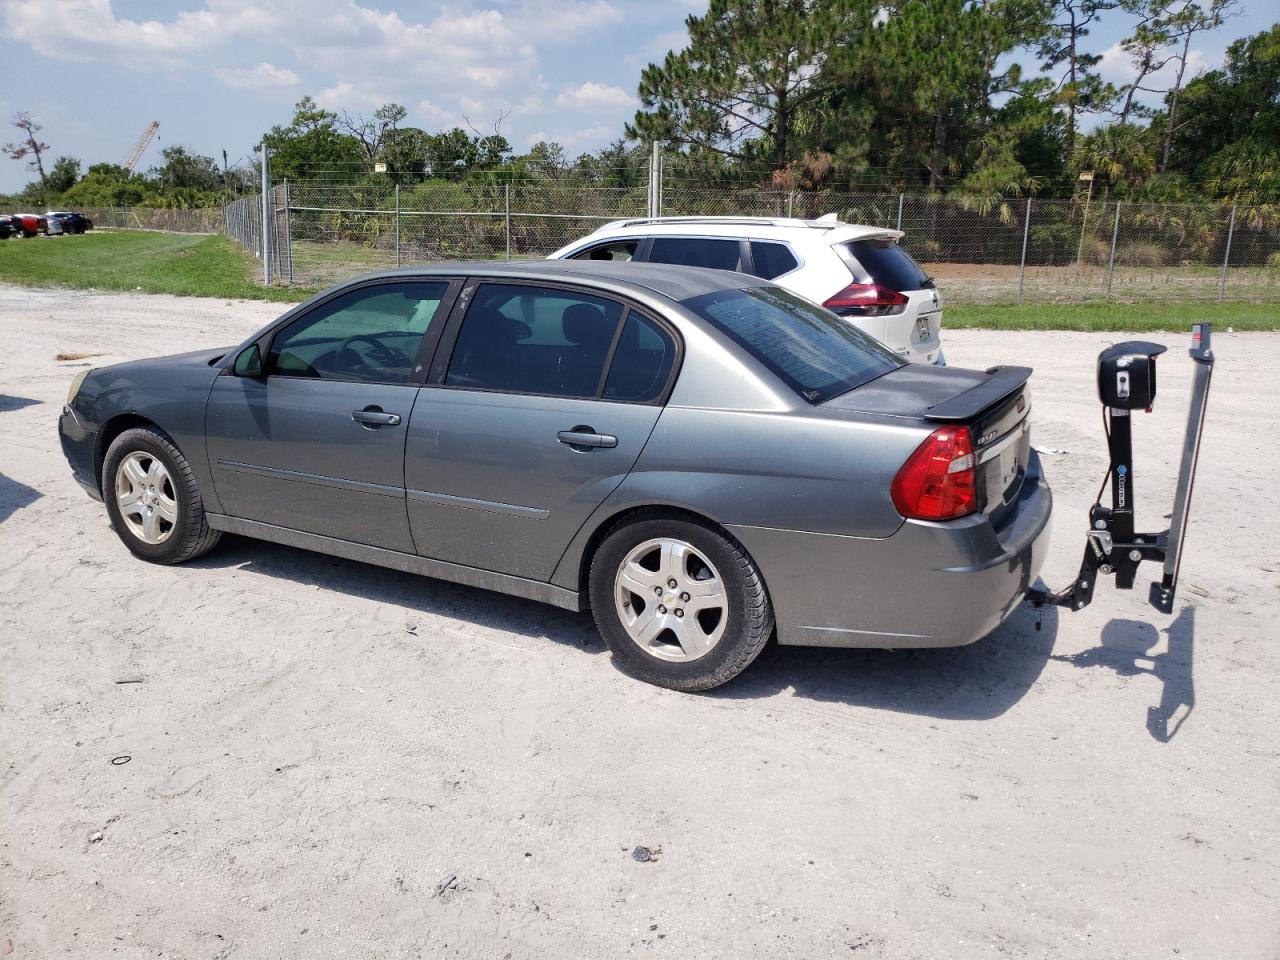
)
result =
(702, 459)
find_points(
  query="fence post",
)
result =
(1111, 263)
(1226, 257)
(506, 196)
(397, 224)
(288, 232)
(266, 218)
(900, 198)
(791, 203)
(1022, 264)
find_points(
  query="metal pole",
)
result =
(1083, 224)
(288, 231)
(507, 200)
(791, 203)
(1111, 264)
(900, 197)
(653, 181)
(1226, 257)
(266, 218)
(1022, 264)
(397, 224)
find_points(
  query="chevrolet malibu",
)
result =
(700, 458)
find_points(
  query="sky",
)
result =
(217, 74)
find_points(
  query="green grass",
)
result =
(1125, 317)
(182, 264)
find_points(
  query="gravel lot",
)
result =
(334, 760)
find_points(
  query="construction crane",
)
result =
(141, 145)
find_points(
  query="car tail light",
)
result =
(867, 299)
(938, 481)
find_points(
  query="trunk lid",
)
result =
(995, 405)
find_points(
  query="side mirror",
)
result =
(249, 362)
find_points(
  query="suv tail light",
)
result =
(938, 481)
(867, 300)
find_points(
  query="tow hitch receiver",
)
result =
(1127, 382)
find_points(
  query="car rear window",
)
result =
(812, 350)
(889, 265)
(771, 259)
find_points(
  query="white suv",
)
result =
(858, 272)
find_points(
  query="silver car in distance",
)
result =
(700, 458)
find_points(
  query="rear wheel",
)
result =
(152, 498)
(679, 604)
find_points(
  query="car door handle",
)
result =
(586, 437)
(375, 417)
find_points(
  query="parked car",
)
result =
(858, 272)
(32, 223)
(697, 456)
(9, 227)
(64, 221)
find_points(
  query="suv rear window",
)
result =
(771, 259)
(812, 350)
(889, 265)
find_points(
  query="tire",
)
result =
(152, 498)
(651, 635)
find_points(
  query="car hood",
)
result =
(207, 357)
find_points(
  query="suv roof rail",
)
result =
(828, 222)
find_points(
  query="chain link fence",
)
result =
(980, 250)
(199, 220)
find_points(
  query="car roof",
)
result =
(826, 230)
(671, 281)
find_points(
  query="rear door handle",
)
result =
(579, 437)
(375, 417)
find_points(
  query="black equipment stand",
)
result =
(1127, 382)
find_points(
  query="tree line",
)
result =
(810, 95)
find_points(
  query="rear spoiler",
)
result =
(1001, 382)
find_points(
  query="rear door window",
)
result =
(772, 259)
(697, 252)
(529, 339)
(642, 361)
(889, 265)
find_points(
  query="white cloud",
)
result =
(84, 29)
(1117, 67)
(264, 75)
(346, 96)
(557, 20)
(589, 136)
(596, 98)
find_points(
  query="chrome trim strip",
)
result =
(470, 503)
(1000, 446)
(279, 473)
(409, 563)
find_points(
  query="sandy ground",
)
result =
(334, 760)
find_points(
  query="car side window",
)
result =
(772, 259)
(642, 361)
(370, 335)
(529, 339)
(697, 252)
(619, 251)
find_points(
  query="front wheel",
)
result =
(679, 604)
(152, 498)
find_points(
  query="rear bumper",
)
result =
(928, 585)
(78, 444)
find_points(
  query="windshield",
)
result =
(812, 350)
